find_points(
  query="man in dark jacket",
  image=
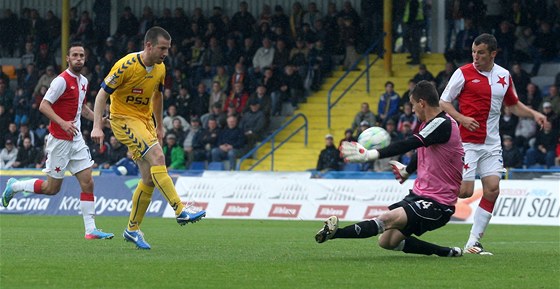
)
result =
(253, 123)
(329, 159)
(230, 142)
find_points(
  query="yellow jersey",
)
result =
(131, 85)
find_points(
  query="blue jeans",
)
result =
(219, 155)
(533, 156)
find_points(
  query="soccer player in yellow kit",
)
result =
(135, 85)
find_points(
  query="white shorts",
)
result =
(482, 161)
(63, 155)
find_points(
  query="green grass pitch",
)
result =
(50, 252)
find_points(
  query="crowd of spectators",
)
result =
(227, 74)
(230, 73)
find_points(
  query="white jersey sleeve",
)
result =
(454, 86)
(58, 85)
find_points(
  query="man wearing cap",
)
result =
(8, 155)
(253, 123)
(174, 155)
(329, 159)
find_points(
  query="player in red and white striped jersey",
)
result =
(481, 87)
(65, 148)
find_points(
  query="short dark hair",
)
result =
(427, 91)
(389, 82)
(153, 33)
(74, 44)
(487, 39)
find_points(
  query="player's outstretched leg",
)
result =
(165, 185)
(136, 237)
(9, 192)
(364, 229)
(87, 205)
(412, 245)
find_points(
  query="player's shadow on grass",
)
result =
(384, 258)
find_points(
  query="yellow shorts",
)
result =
(138, 135)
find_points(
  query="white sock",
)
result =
(481, 220)
(87, 205)
(24, 186)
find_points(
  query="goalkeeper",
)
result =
(431, 202)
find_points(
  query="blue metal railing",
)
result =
(332, 104)
(270, 139)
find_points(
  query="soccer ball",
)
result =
(374, 138)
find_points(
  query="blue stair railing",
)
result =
(271, 139)
(330, 103)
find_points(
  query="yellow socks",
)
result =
(163, 182)
(140, 201)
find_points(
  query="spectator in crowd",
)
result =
(282, 55)
(272, 86)
(525, 131)
(232, 53)
(508, 122)
(216, 95)
(230, 143)
(388, 106)
(291, 86)
(171, 115)
(263, 32)
(413, 23)
(423, 74)
(408, 116)
(461, 52)
(12, 133)
(264, 56)
(174, 155)
(238, 97)
(5, 119)
(523, 48)
(391, 128)
(363, 126)
(85, 32)
(506, 40)
(553, 97)
(213, 57)
(25, 132)
(298, 56)
(296, 19)
(29, 55)
(188, 143)
(146, 22)
(221, 78)
(365, 114)
(247, 52)
(8, 155)
(127, 26)
(45, 58)
(21, 106)
(511, 156)
(178, 130)
(544, 149)
(243, 21)
(532, 97)
(329, 158)
(45, 79)
(217, 113)
(349, 35)
(551, 116)
(279, 19)
(6, 97)
(348, 136)
(520, 77)
(126, 166)
(26, 156)
(27, 80)
(546, 43)
(204, 141)
(406, 95)
(200, 98)
(239, 76)
(116, 152)
(262, 97)
(253, 123)
(183, 101)
(443, 76)
(177, 81)
(169, 98)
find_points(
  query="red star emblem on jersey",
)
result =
(466, 166)
(57, 169)
(83, 87)
(502, 80)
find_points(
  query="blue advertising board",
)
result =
(113, 197)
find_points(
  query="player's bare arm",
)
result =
(97, 134)
(522, 110)
(467, 122)
(158, 115)
(67, 126)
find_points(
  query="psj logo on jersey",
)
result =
(137, 100)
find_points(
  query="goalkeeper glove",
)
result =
(399, 170)
(356, 153)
